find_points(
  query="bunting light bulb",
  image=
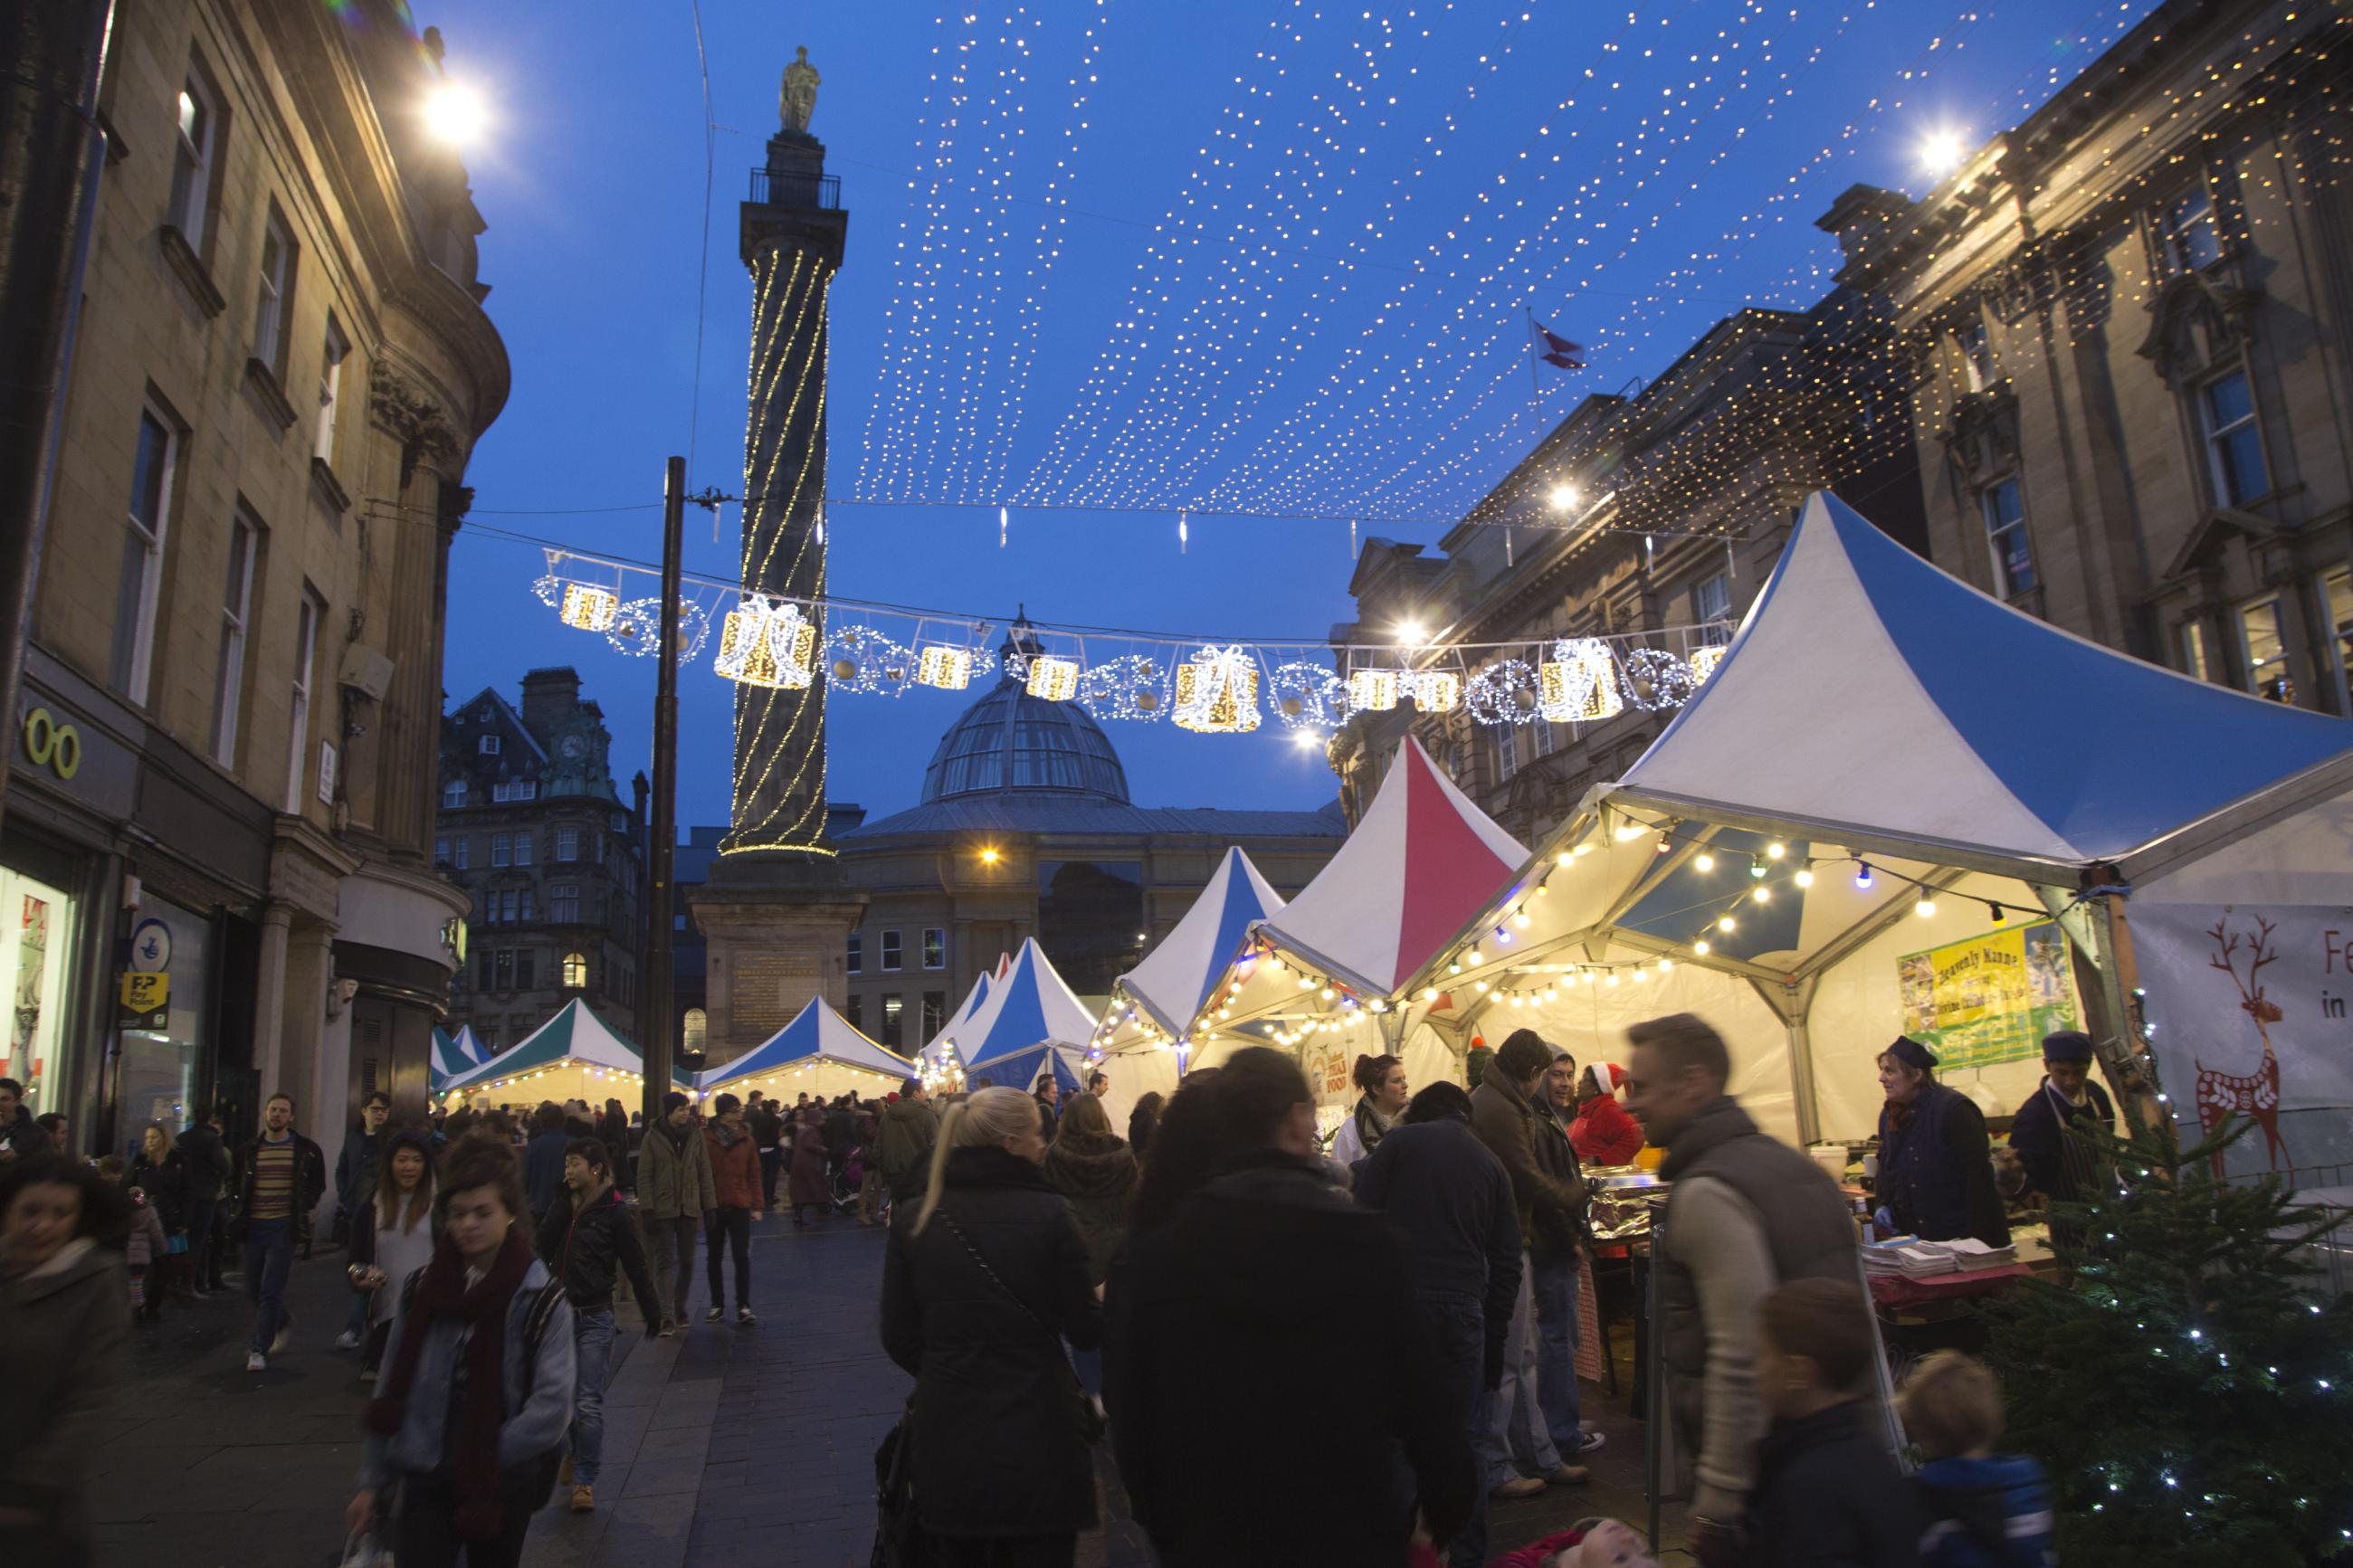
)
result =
(1702, 861)
(1774, 851)
(1925, 907)
(1862, 877)
(1761, 893)
(1724, 922)
(1805, 876)
(1700, 947)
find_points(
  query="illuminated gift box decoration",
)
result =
(949, 669)
(589, 607)
(1436, 691)
(1703, 661)
(1054, 680)
(1217, 694)
(1372, 690)
(762, 643)
(1579, 683)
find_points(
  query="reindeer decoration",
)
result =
(2223, 1095)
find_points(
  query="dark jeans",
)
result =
(204, 1257)
(1458, 1327)
(426, 1532)
(672, 1245)
(268, 1256)
(734, 1227)
(770, 1161)
(1556, 1282)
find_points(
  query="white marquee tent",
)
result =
(819, 1053)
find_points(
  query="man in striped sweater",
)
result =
(283, 1176)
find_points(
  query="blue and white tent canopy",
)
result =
(1873, 696)
(975, 1002)
(817, 1037)
(1167, 990)
(1031, 1023)
(452, 1055)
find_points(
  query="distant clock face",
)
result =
(573, 745)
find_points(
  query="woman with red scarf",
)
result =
(469, 1417)
(1603, 1133)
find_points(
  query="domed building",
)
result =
(1026, 829)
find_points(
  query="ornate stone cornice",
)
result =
(413, 419)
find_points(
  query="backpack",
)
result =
(543, 1469)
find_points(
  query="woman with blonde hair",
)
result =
(981, 1284)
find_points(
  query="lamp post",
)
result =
(661, 851)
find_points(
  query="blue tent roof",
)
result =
(1867, 690)
(1022, 1069)
(1031, 1007)
(817, 1033)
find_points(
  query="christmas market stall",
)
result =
(453, 1055)
(1154, 1007)
(573, 1056)
(1031, 1024)
(820, 1053)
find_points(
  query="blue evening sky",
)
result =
(1277, 259)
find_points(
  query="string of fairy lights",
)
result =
(1231, 294)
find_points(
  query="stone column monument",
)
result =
(777, 908)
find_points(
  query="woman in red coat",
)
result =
(809, 1187)
(1603, 1133)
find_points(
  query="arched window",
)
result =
(698, 1026)
(575, 970)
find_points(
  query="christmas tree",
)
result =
(2187, 1381)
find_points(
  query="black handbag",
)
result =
(898, 1533)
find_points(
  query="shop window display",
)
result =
(37, 926)
(159, 1066)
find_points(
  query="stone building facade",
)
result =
(1659, 514)
(533, 829)
(2129, 324)
(226, 747)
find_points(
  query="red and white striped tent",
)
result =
(1341, 968)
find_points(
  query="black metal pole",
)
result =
(661, 847)
(52, 151)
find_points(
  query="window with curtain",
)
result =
(575, 970)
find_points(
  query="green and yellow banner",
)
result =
(1990, 998)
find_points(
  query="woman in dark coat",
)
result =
(980, 1287)
(811, 1188)
(1936, 1162)
(1096, 1171)
(161, 1171)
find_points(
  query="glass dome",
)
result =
(1010, 743)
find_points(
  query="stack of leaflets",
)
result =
(1909, 1258)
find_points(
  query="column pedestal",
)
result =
(775, 930)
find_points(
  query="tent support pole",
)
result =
(1796, 1006)
(2120, 987)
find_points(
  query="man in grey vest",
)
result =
(1747, 1214)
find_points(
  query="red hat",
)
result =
(1605, 1078)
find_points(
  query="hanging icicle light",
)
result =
(1218, 692)
(589, 608)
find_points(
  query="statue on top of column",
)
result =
(797, 99)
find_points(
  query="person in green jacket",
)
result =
(903, 1143)
(675, 1189)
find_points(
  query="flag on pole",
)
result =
(1555, 350)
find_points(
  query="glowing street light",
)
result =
(1562, 496)
(1410, 634)
(1942, 152)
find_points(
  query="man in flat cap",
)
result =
(1936, 1163)
(2058, 1166)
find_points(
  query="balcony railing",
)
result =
(795, 189)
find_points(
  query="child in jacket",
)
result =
(146, 1244)
(1985, 1510)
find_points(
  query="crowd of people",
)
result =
(1197, 1286)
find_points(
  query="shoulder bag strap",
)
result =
(1007, 1290)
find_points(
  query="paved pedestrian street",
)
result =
(742, 1446)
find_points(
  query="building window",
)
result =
(1540, 737)
(508, 905)
(489, 962)
(1507, 752)
(893, 1023)
(506, 969)
(576, 971)
(441, 852)
(306, 650)
(935, 1013)
(526, 963)
(330, 388)
(1976, 355)
(694, 1030)
(515, 789)
(271, 318)
(2013, 552)
(488, 1032)
(2336, 596)
(146, 525)
(567, 844)
(1711, 603)
(237, 606)
(453, 794)
(2235, 448)
(856, 1011)
(523, 847)
(935, 948)
(889, 952)
(527, 897)
(2264, 650)
(857, 953)
(192, 165)
(501, 851)
(487, 746)
(2190, 239)
(564, 903)
(461, 850)
(2196, 658)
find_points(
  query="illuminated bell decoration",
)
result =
(590, 608)
(766, 644)
(1436, 691)
(1054, 680)
(1703, 661)
(1217, 693)
(949, 669)
(1579, 684)
(1372, 690)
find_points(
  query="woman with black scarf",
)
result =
(1382, 1079)
(483, 1358)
